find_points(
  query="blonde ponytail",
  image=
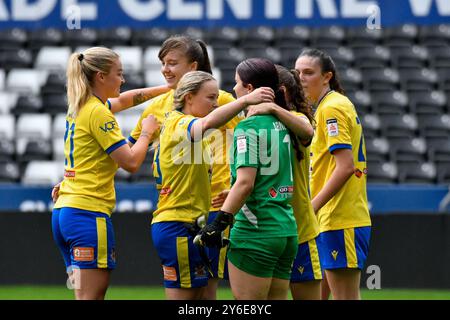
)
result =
(81, 70)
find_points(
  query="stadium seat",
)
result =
(59, 126)
(149, 37)
(34, 126)
(58, 149)
(151, 60)
(8, 100)
(443, 172)
(418, 79)
(47, 173)
(256, 38)
(435, 35)
(270, 53)
(9, 172)
(154, 78)
(440, 57)
(55, 83)
(359, 37)
(7, 127)
(408, 149)
(343, 57)
(410, 57)
(133, 80)
(22, 58)
(39, 38)
(192, 32)
(377, 149)
(372, 57)
(382, 172)
(131, 58)
(361, 100)
(432, 102)
(13, 39)
(381, 79)
(401, 36)
(329, 35)
(53, 58)
(371, 125)
(28, 104)
(398, 125)
(434, 125)
(26, 80)
(294, 37)
(390, 102)
(439, 149)
(417, 172)
(35, 149)
(223, 37)
(228, 58)
(55, 103)
(80, 37)
(290, 55)
(7, 150)
(127, 122)
(120, 36)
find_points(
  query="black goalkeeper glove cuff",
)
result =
(223, 220)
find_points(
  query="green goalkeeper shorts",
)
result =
(266, 257)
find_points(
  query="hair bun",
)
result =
(80, 57)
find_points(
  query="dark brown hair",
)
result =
(194, 50)
(260, 72)
(326, 65)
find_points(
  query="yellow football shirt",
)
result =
(338, 126)
(182, 170)
(307, 224)
(220, 139)
(89, 170)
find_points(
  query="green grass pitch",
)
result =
(25, 292)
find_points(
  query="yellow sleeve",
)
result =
(337, 128)
(105, 129)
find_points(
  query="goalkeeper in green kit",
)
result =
(263, 239)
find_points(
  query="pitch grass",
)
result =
(157, 293)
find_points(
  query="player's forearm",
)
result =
(299, 126)
(219, 116)
(135, 97)
(138, 152)
(237, 196)
(337, 180)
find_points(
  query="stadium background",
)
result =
(394, 63)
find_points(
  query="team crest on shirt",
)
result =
(332, 127)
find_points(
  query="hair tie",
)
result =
(80, 57)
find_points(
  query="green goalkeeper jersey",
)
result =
(263, 142)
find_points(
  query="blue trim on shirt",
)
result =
(115, 146)
(189, 129)
(109, 104)
(340, 146)
(132, 140)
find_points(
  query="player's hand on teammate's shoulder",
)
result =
(262, 108)
(263, 94)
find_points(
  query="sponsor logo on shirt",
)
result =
(241, 144)
(272, 192)
(165, 191)
(334, 253)
(108, 126)
(69, 174)
(332, 127)
(286, 189)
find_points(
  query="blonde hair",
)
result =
(191, 82)
(81, 70)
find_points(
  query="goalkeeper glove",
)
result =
(212, 234)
